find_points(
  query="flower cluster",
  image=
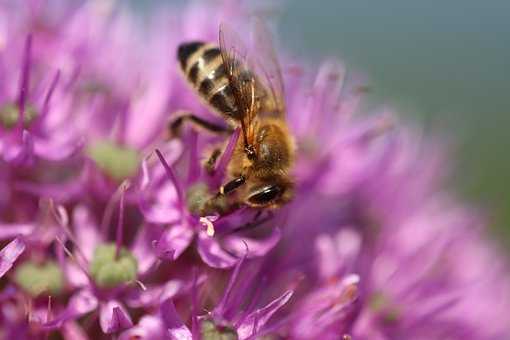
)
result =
(101, 233)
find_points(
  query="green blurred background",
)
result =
(444, 63)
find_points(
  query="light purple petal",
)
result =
(211, 252)
(83, 302)
(256, 247)
(113, 317)
(149, 327)
(154, 295)
(9, 231)
(173, 323)
(256, 320)
(53, 150)
(173, 242)
(143, 247)
(72, 331)
(86, 230)
(9, 254)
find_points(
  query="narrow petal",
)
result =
(256, 247)
(9, 254)
(256, 320)
(173, 323)
(113, 317)
(211, 252)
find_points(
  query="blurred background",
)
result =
(445, 64)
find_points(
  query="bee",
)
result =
(246, 89)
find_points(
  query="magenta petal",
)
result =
(9, 254)
(149, 327)
(86, 229)
(211, 252)
(173, 242)
(256, 247)
(256, 320)
(56, 150)
(113, 317)
(152, 296)
(9, 231)
(173, 323)
(143, 247)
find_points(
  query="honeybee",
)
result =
(246, 89)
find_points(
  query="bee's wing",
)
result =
(268, 68)
(242, 81)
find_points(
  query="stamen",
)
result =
(171, 175)
(108, 211)
(60, 215)
(222, 306)
(48, 311)
(194, 166)
(219, 172)
(24, 82)
(195, 328)
(141, 285)
(72, 257)
(118, 240)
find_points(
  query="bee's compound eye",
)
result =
(265, 195)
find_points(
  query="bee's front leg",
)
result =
(210, 164)
(175, 125)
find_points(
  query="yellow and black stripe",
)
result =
(202, 65)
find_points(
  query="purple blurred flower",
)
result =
(371, 247)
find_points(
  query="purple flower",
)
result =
(372, 246)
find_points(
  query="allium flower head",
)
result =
(107, 227)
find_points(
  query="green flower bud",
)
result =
(212, 332)
(108, 271)
(381, 304)
(36, 279)
(9, 115)
(118, 162)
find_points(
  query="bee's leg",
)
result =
(175, 125)
(210, 164)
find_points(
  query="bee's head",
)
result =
(272, 192)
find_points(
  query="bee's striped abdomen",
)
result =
(203, 67)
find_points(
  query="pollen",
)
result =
(209, 226)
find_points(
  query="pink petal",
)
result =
(9, 231)
(256, 320)
(149, 327)
(72, 331)
(83, 302)
(256, 247)
(113, 317)
(152, 296)
(86, 230)
(56, 150)
(173, 242)
(173, 323)
(211, 252)
(143, 247)
(9, 254)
